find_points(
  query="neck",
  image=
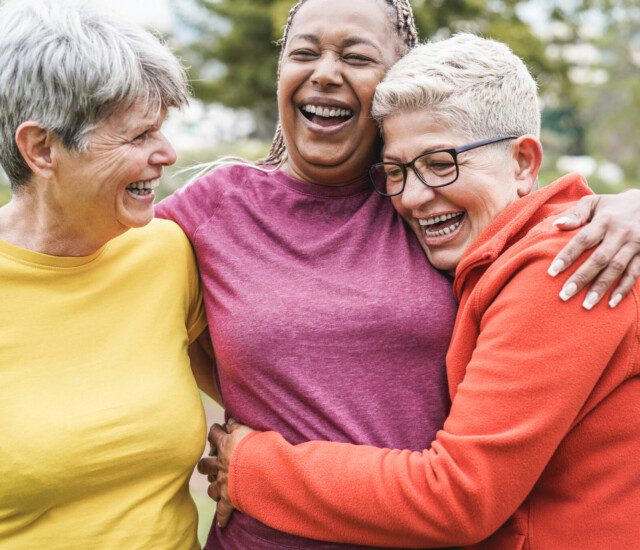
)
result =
(325, 175)
(30, 222)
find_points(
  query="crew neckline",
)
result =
(356, 187)
(39, 259)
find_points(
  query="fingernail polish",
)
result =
(563, 219)
(590, 300)
(556, 267)
(615, 300)
(568, 290)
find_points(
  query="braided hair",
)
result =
(405, 27)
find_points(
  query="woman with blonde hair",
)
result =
(540, 446)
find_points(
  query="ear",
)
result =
(34, 143)
(527, 153)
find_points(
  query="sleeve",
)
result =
(196, 316)
(194, 204)
(522, 391)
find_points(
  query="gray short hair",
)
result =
(67, 67)
(473, 85)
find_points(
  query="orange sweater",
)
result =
(541, 449)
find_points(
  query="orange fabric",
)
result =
(542, 444)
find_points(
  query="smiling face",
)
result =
(110, 187)
(336, 54)
(447, 220)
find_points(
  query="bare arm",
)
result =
(203, 364)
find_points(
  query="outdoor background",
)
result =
(585, 55)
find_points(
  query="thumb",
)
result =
(578, 215)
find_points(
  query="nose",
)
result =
(327, 71)
(415, 194)
(164, 153)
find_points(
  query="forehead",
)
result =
(139, 115)
(409, 133)
(337, 20)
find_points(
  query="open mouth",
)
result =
(143, 188)
(442, 224)
(326, 116)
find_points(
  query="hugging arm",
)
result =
(492, 450)
(615, 264)
(203, 365)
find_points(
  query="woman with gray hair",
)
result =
(541, 445)
(100, 419)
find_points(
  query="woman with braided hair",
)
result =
(309, 277)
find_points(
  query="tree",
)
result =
(234, 54)
(614, 133)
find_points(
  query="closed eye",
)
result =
(357, 59)
(142, 137)
(303, 54)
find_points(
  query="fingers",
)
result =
(585, 239)
(223, 512)
(604, 267)
(216, 436)
(209, 467)
(626, 283)
(607, 276)
(214, 491)
(580, 214)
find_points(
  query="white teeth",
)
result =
(326, 111)
(149, 185)
(427, 222)
(436, 219)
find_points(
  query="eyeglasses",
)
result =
(434, 169)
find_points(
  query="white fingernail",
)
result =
(231, 421)
(563, 219)
(617, 298)
(568, 291)
(590, 300)
(556, 267)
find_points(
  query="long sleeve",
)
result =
(537, 368)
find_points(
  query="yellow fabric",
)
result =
(101, 422)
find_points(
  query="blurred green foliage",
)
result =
(233, 55)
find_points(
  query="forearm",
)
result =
(509, 415)
(363, 495)
(203, 366)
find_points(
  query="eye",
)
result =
(440, 163)
(141, 137)
(303, 54)
(393, 172)
(357, 59)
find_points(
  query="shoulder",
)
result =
(211, 186)
(194, 204)
(159, 238)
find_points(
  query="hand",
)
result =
(616, 227)
(216, 466)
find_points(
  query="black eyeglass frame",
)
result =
(454, 152)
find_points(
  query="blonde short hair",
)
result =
(474, 85)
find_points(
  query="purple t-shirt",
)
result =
(326, 318)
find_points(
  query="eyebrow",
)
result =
(347, 42)
(424, 152)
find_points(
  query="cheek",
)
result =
(405, 213)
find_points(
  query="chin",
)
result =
(444, 260)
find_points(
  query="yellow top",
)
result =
(100, 419)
